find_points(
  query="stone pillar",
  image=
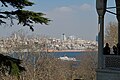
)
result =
(118, 18)
(100, 42)
(101, 9)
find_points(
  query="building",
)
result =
(108, 65)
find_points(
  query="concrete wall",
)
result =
(108, 74)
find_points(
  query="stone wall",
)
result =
(108, 74)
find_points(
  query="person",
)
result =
(106, 49)
(118, 48)
(115, 50)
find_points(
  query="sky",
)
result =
(71, 17)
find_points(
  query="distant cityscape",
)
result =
(21, 43)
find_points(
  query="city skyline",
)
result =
(78, 17)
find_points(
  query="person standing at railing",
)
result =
(118, 47)
(106, 49)
(115, 50)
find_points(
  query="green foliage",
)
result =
(16, 3)
(30, 17)
(14, 69)
(24, 17)
(11, 66)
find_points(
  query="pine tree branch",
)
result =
(19, 4)
(27, 18)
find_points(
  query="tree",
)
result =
(111, 33)
(24, 17)
(88, 66)
(9, 65)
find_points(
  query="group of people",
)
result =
(106, 49)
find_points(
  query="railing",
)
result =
(112, 61)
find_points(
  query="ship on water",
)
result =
(67, 58)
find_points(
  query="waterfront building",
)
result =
(13, 43)
(71, 37)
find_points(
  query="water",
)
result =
(34, 57)
(76, 55)
(69, 54)
(55, 54)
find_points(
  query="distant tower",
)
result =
(97, 38)
(64, 37)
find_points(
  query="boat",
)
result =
(67, 58)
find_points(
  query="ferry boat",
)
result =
(67, 58)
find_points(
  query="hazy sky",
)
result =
(71, 17)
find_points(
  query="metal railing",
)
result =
(112, 61)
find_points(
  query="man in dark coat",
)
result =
(106, 49)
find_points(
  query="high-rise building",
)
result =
(64, 37)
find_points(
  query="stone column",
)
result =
(100, 42)
(118, 18)
(101, 9)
